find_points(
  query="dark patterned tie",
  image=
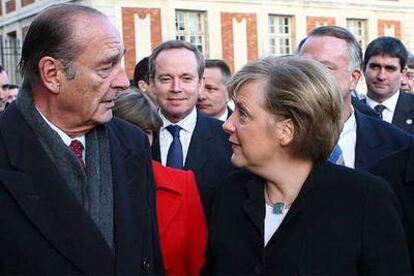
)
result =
(379, 108)
(175, 152)
(77, 148)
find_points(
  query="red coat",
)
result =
(181, 222)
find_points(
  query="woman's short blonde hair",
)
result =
(304, 91)
(135, 107)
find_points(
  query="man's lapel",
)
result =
(130, 177)
(201, 145)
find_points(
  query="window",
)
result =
(280, 35)
(191, 26)
(358, 27)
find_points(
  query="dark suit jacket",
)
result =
(404, 112)
(181, 221)
(209, 157)
(398, 170)
(229, 112)
(343, 222)
(362, 107)
(44, 229)
(377, 139)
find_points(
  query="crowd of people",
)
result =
(282, 168)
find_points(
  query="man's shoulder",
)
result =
(407, 96)
(377, 127)
(360, 105)
(126, 132)
(213, 124)
(124, 127)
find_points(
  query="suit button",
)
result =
(145, 265)
(258, 269)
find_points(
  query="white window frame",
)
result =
(281, 34)
(359, 28)
(196, 35)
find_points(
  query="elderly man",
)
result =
(364, 140)
(213, 99)
(3, 91)
(407, 80)
(187, 139)
(76, 186)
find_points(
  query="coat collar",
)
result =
(254, 205)
(171, 185)
(164, 178)
(38, 189)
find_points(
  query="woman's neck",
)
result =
(285, 179)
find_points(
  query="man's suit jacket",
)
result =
(404, 112)
(398, 170)
(361, 106)
(229, 112)
(209, 157)
(45, 230)
(181, 221)
(343, 222)
(376, 139)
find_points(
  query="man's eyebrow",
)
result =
(115, 58)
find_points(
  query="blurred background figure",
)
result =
(141, 79)
(289, 209)
(213, 99)
(181, 222)
(3, 92)
(407, 81)
(12, 91)
(363, 140)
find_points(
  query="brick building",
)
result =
(235, 30)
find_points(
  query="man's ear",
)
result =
(50, 71)
(355, 76)
(142, 86)
(201, 83)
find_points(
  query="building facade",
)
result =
(235, 30)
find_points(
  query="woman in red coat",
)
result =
(181, 222)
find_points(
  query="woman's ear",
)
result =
(286, 132)
(50, 71)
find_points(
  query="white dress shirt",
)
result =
(389, 104)
(223, 117)
(187, 128)
(65, 138)
(347, 140)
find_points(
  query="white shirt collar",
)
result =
(65, 138)
(347, 140)
(224, 116)
(187, 124)
(389, 103)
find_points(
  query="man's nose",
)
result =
(176, 85)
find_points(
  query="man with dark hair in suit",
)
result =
(76, 185)
(141, 79)
(364, 140)
(384, 62)
(187, 139)
(213, 99)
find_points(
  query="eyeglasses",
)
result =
(409, 75)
